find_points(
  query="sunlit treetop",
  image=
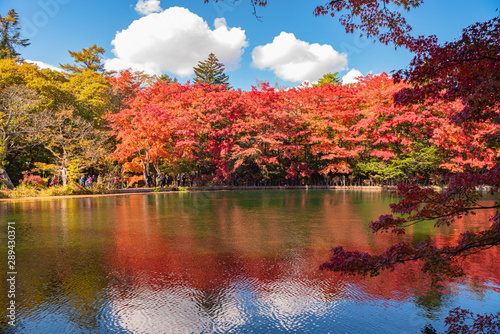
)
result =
(88, 59)
(329, 78)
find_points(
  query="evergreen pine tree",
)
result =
(211, 71)
(10, 35)
(166, 78)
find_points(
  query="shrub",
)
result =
(31, 179)
(58, 191)
(24, 190)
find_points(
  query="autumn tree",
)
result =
(74, 142)
(16, 107)
(406, 142)
(10, 35)
(23, 91)
(212, 133)
(87, 59)
(330, 111)
(86, 81)
(31, 116)
(211, 71)
(146, 129)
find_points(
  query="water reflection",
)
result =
(223, 262)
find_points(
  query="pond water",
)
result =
(222, 262)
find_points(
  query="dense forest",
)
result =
(82, 120)
(85, 121)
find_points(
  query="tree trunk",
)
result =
(3, 156)
(64, 176)
(146, 169)
(157, 168)
(6, 178)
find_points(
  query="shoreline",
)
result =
(146, 191)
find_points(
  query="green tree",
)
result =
(211, 71)
(166, 78)
(423, 161)
(10, 35)
(88, 59)
(329, 78)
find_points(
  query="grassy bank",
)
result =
(68, 190)
(77, 190)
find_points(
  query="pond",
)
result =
(222, 262)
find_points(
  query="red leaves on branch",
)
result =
(372, 18)
(417, 204)
(461, 321)
(365, 264)
(466, 70)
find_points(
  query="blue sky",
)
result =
(289, 45)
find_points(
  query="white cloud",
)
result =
(175, 40)
(294, 60)
(220, 22)
(350, 77)
(43, 65)
(146, 7)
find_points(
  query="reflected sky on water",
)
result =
(224, 262)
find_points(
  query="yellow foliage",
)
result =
(44, 167)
